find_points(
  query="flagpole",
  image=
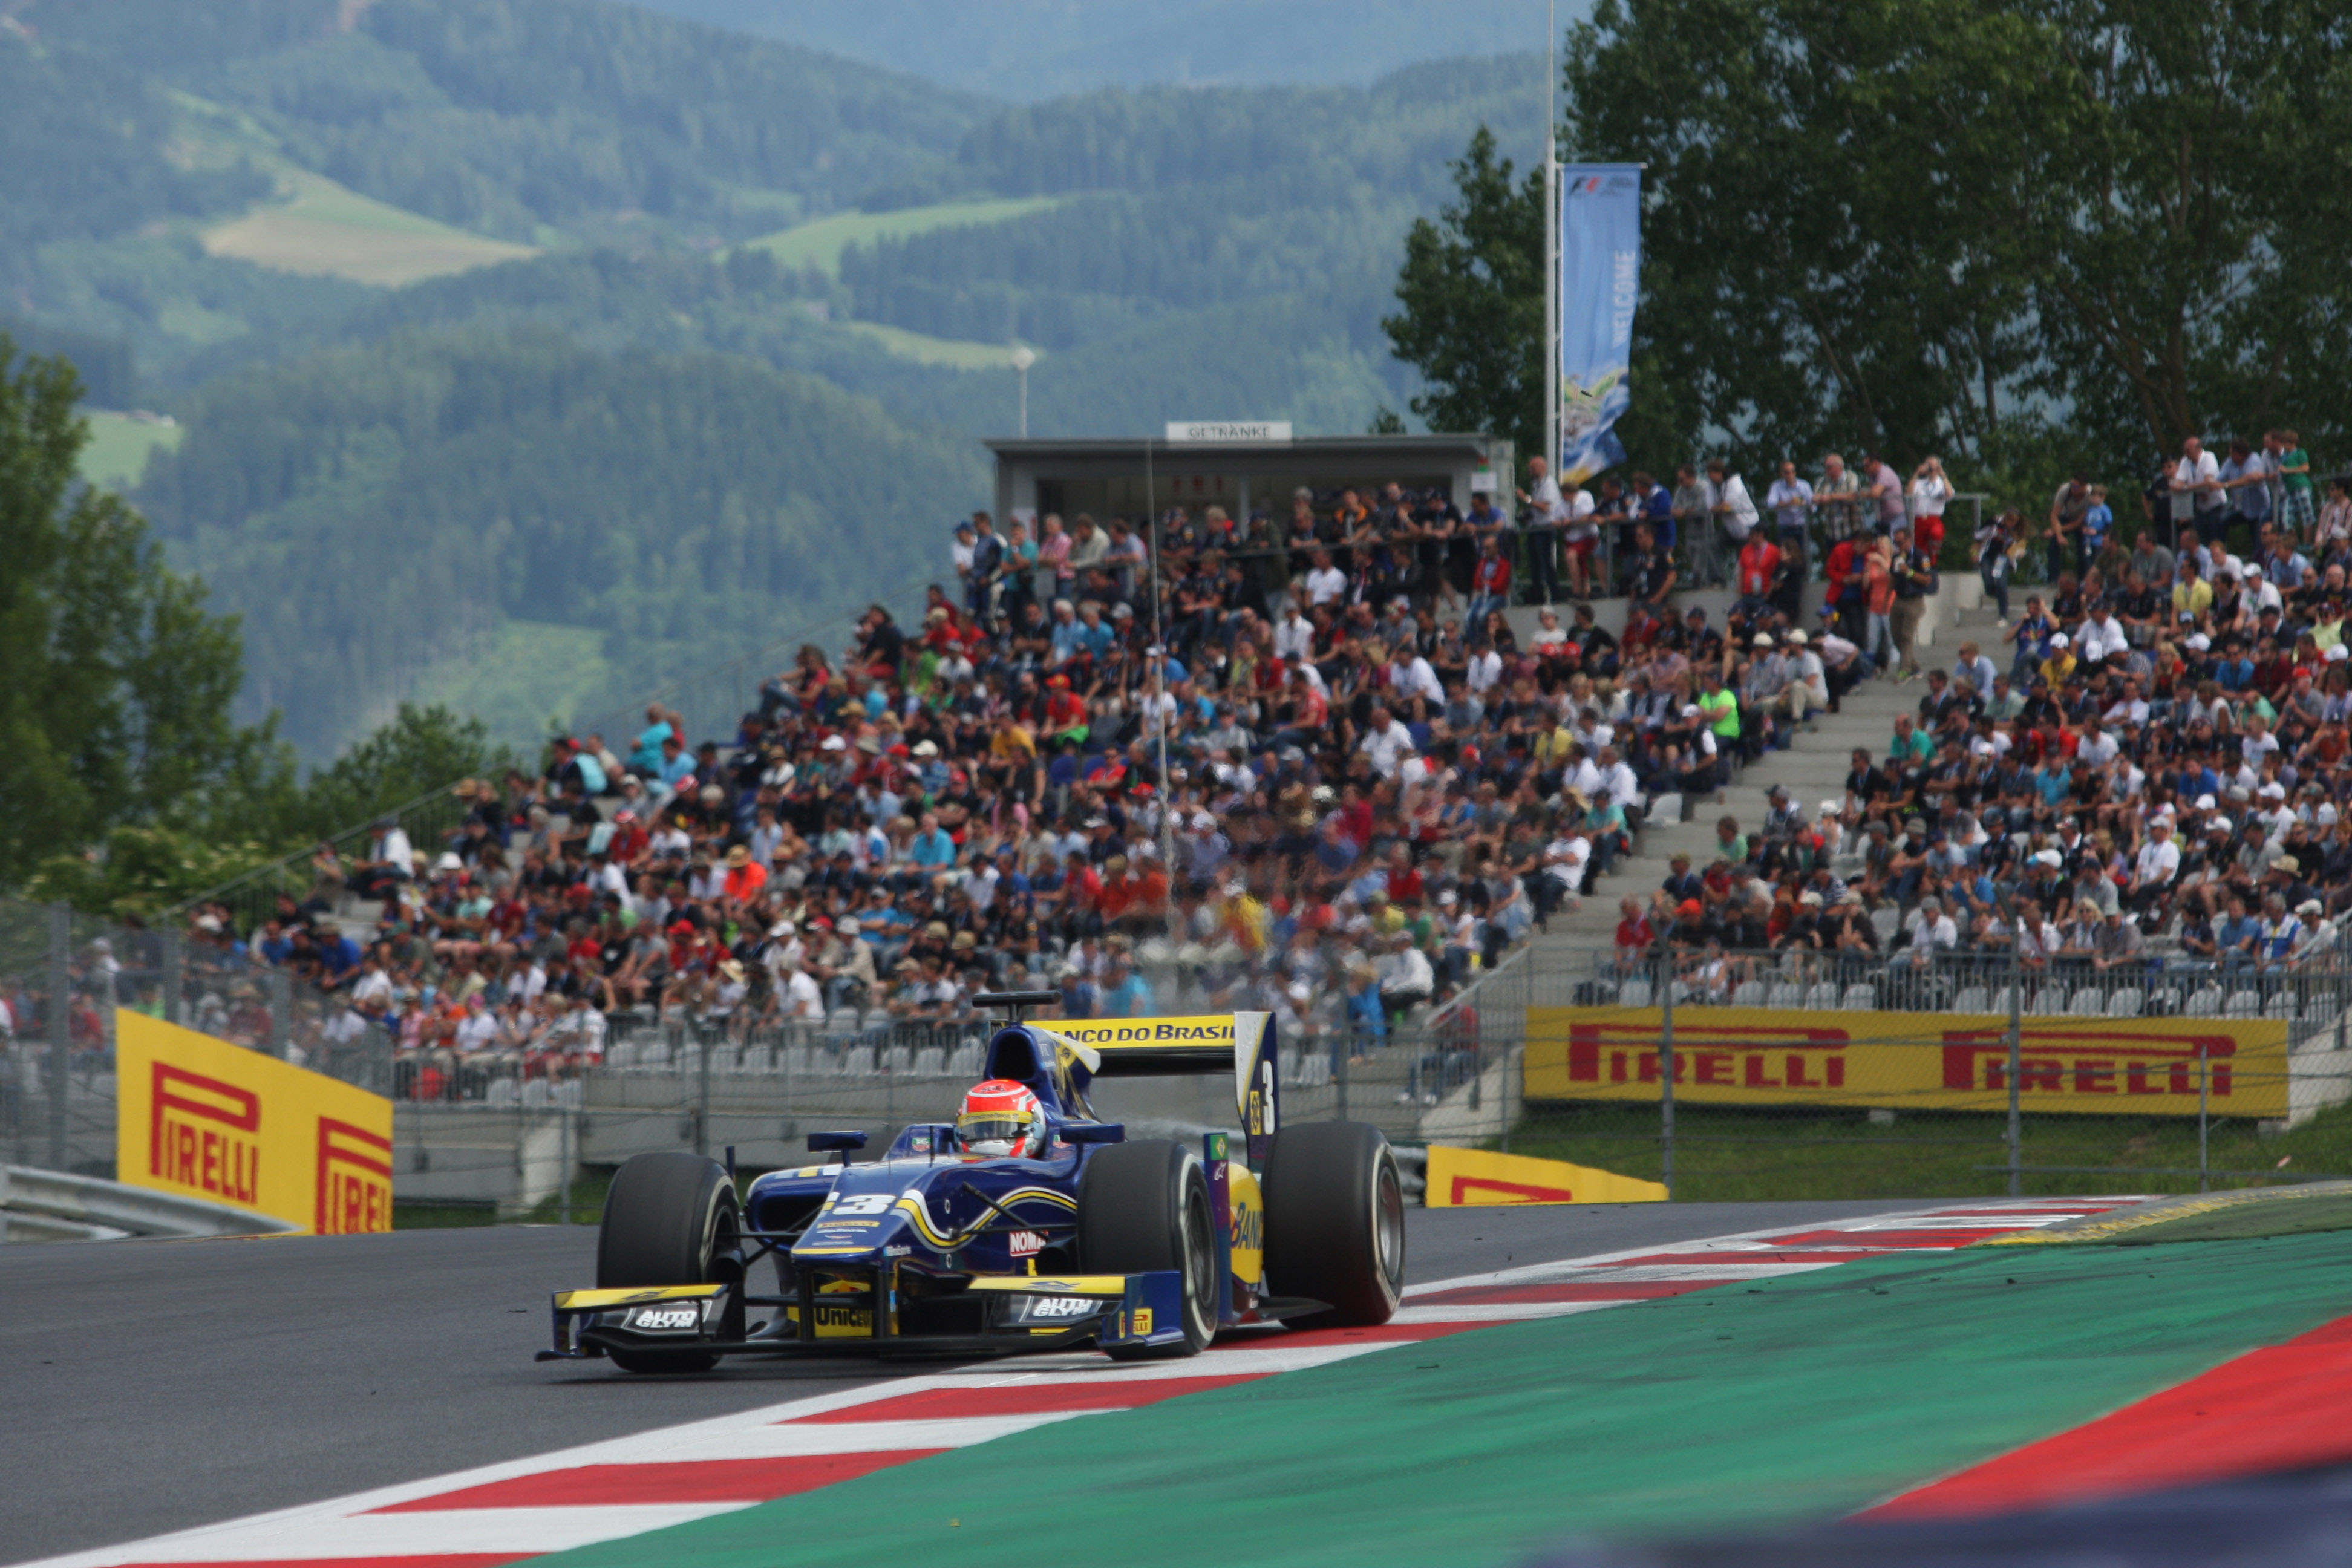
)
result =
(1551, 235)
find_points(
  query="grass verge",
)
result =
(1724, 1155)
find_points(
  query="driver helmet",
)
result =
(1000, 1117)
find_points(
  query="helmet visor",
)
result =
(1006, 1127)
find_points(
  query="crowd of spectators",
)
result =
(1306, 765)
(2151, 767)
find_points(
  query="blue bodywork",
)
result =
(929, 1249)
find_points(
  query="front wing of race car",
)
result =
(860, 1312)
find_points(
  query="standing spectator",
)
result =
(1931, 492)
(1915, 579)
(2293, 466)
(1834, 494)
(1999, 545)
(1878, 590)
(1760, 565)
(1694, 509)
(2068, 505)
(986, 569)
(1546, 515)
(2246, 479)
(2199, 477)
(1587, 563)
(1490, 581)
(1791, 500)
(1732, 507)
(1881, 488)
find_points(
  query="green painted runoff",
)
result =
(1802, 1397)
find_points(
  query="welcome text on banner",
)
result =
(1600, 283)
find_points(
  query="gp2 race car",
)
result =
(1143, 1249)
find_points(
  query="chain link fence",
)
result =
(63, 976)
(1767, 1075)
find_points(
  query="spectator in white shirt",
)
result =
(2153, 869)
(1485, 670)
(1733, 507)
(1410, 675)
(1325, 584)
(1932, 930)
(1294, 634)
(1385, 742)
(2198, 476)
(2101, 636)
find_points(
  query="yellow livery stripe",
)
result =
(585, 1300)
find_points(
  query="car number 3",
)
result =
(864, 1203)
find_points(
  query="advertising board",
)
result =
(208, 1119)
(1737, 1056)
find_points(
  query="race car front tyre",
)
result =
(670, 1219)
(1144, 1206)
(1335, 1221)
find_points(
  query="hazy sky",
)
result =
(1037, 48)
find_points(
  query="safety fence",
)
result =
(65, 979)
(1754, 1075)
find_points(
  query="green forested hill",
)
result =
(527, 486)
(512, 116)
(379, 515)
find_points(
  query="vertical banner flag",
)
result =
(1600, 279)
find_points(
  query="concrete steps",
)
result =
(1813, 770)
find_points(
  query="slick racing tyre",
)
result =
(1335, 1222)
(669, 1219)
(1145, 1206)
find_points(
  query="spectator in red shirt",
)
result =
(1759, 568)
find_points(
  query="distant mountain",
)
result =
(388, 518)
(526, 353)
(1031, 50)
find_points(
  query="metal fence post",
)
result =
(1666, 1071)
(1347, 1054)
(702, 1108)
(564, 1175)
(60, 1027)
(281, 1011)
(2204, 1074)
(175, 976)
(2016, 1050)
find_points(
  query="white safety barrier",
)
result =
(48, 1205)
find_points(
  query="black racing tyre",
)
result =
(1145, 1205)
(1335, 1222)
(669, 1219)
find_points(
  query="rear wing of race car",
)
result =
(1070, 1053)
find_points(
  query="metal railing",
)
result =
(2310, 994)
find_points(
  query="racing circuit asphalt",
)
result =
(156, 1385)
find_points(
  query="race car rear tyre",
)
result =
(670, 1219)
(1143, 1207)
(1335, 1221)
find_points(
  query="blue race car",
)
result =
(1028, 1225)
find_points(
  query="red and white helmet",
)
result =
(1002, 1117)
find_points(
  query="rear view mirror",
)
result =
(1095, 1133)
(827, 1142)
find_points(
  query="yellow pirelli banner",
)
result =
(1480, 1178)
(205, 1119)
(1743, 1055)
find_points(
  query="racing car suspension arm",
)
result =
(990, 1209)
